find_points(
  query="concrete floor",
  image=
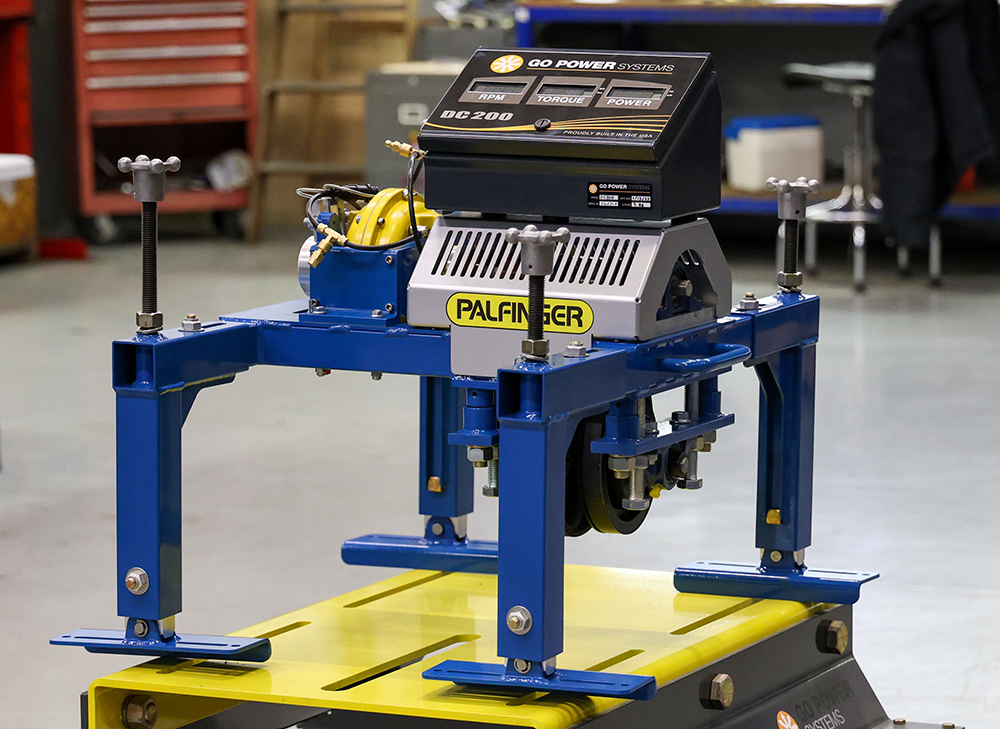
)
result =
(907, 457)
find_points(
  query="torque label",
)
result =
(497, 311)
(619, 195)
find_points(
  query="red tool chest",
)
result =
(15, 93)
(162, 77)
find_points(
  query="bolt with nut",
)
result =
(519, 620)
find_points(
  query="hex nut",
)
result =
(191, 323)
(535, 347)
(137, 581)
(623, 464)
(716, 691)
(152, 322)
(576, 348)
(749, 302)
(833, 636)
(519, 620)
(790, 280)
(481, 454)
(139, 711)
(636, 504)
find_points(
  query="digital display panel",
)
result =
(496, 87)
(632, 92)
(565, 90)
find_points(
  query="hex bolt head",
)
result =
(948, 725)
(833, 636)
(899, 722)
(521, 665)
(137, 581)
(519, 620)
(139, 711)
(716, 691)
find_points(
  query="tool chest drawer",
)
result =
(184, 70)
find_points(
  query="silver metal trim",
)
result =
(160, 25)
(167, 79)
(139, 10)
(226, 50)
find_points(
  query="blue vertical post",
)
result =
(785, 455)
(532, 521)
(446, 480)
(524, 28)
(149, 500)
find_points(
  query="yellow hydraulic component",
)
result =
(386, 218)
(365, 651)
(402, 148)
(331, 238)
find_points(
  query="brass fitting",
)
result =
(325, 245)
(402, 148)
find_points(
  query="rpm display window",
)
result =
(510, 90)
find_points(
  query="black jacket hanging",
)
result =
(937, 72)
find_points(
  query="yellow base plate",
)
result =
(365, 651)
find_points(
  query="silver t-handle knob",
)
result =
(538, 248)
(148, 176)
(792, 196)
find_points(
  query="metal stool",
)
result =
(857, 203)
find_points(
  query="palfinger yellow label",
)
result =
(497, 311)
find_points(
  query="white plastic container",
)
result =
(18, 215)
(758, 147)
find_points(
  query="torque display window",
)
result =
(565, 91)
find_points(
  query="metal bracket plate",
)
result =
(590, 683)
(180, 646)
(749, 580)
(444, 555)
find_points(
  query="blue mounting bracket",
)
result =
(590, 683)
(219, 647)
(802, 584)
(445, 555)
(619, 447)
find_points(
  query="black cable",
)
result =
(416, 165)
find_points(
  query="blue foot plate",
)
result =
(180, 646)
(591, 683)
(446, 555)
(749, 580)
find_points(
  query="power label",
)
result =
(497, 311)
(619, 195)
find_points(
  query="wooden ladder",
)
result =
(322, 20)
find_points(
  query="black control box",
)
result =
(587, 134)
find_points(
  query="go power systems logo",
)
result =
(506, 64)
(785, 721)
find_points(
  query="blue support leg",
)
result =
(149, 424)
(784, 498)
(531, 563)
(446, 495)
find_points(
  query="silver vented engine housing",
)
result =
(622, 273)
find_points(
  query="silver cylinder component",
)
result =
(148, 176)
(538, 248)
(792, 196)
(303, 265)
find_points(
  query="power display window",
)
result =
(565, 91)
(510, 90)
(627, 94)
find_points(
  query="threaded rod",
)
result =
(536, 307)
(148, 235)
(791, 246)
